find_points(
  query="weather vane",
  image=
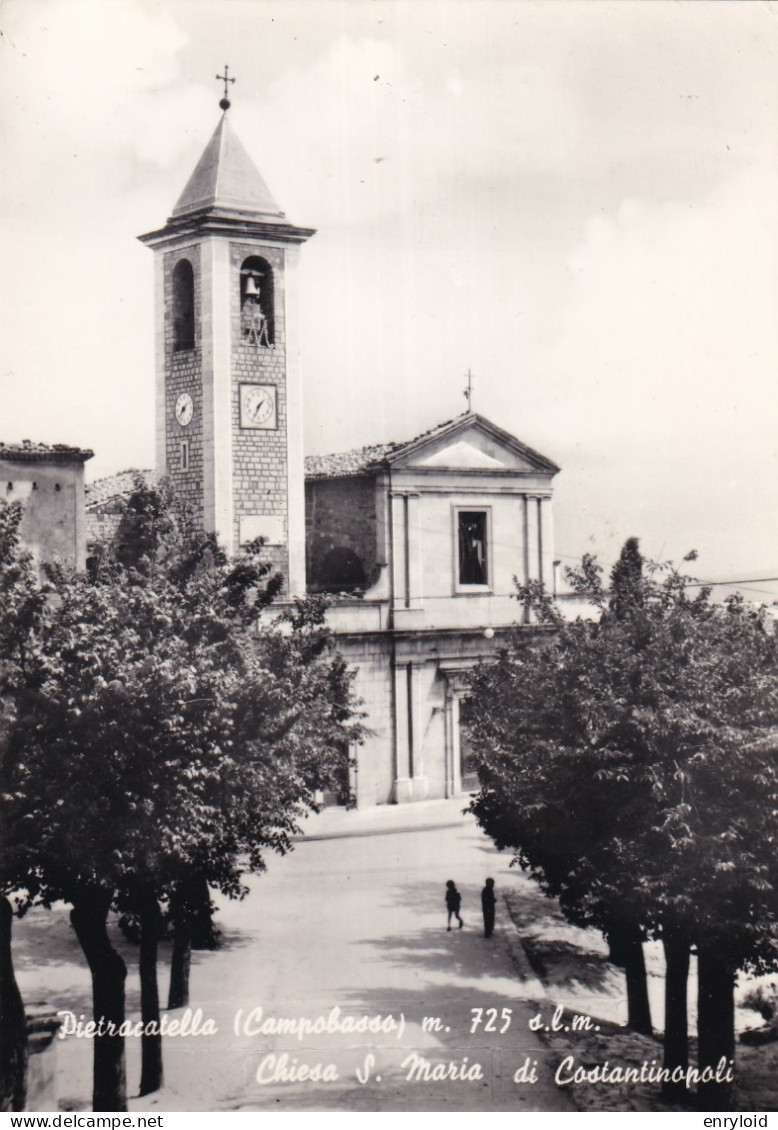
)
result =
(225, 78)
(468, 392)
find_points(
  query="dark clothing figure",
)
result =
(453, 903)
(487, 904)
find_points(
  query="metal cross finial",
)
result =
(468, 392)
(225, 78)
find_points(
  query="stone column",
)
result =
(456, 752)
(545, 544)
(398, 551)
(217, 392)
(403, 787)
(406, 551)
(525, 574)
(294, 428)
(420, 782)
(413, 550)
(533, 536)
(448, 729)
(160, 359)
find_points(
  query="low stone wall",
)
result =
(42, 1026)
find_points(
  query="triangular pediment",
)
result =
(463, 454)
(471, 443)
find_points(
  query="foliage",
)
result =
(158, 728)
(630, 761)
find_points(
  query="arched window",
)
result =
(341, 570)
(183, 306)
(257, 312)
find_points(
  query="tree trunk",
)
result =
(151, 1041)
(180, 963)
(198, 901)
(192, 918)
(13, 1024)
(89, 918)
(676, 1044)
(627, 941)
(615, 956)
(715, 1026)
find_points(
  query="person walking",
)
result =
(487, 905)
(453, 903)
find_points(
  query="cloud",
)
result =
(666, 363)
(81, 83)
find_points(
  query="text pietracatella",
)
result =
(372, 1048)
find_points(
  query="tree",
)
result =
(22, 602)
(161, 737)
(630, 762)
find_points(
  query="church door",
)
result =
(340, 794)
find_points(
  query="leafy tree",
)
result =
(163, 738)
(630, 762)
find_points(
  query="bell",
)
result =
(252, 290)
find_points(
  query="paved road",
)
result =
(354, 919)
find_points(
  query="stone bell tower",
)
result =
(229, 395)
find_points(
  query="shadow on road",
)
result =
(460, 953)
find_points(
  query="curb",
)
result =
(534, 987)
(358, 833)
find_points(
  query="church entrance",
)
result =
(461, 773)
(467, 764)
(340, 794)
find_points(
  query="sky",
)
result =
(576, 201)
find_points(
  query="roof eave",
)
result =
(72, 455)
(541, 462)
(222, 221)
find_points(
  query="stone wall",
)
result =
(371, 656)
(183, 373)
(53, 522)
(259, 456)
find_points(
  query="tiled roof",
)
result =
(364, 459)
(29, 452)
(354, 462)
(121, 486)
(361, 459)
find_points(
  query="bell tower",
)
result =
(228, 381)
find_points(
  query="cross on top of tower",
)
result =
(225, 78)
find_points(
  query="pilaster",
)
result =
(217, 392)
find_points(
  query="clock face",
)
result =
(184, 409)
(257, 406)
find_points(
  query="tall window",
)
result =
(183, 306)
(257, 306)
(473, 560)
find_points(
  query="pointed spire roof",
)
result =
(225, 177)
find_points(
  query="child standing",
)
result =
(453, 903)
(487, 903)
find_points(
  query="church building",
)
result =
(418, 542)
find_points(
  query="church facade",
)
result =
(421, 541)
(418, 543)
